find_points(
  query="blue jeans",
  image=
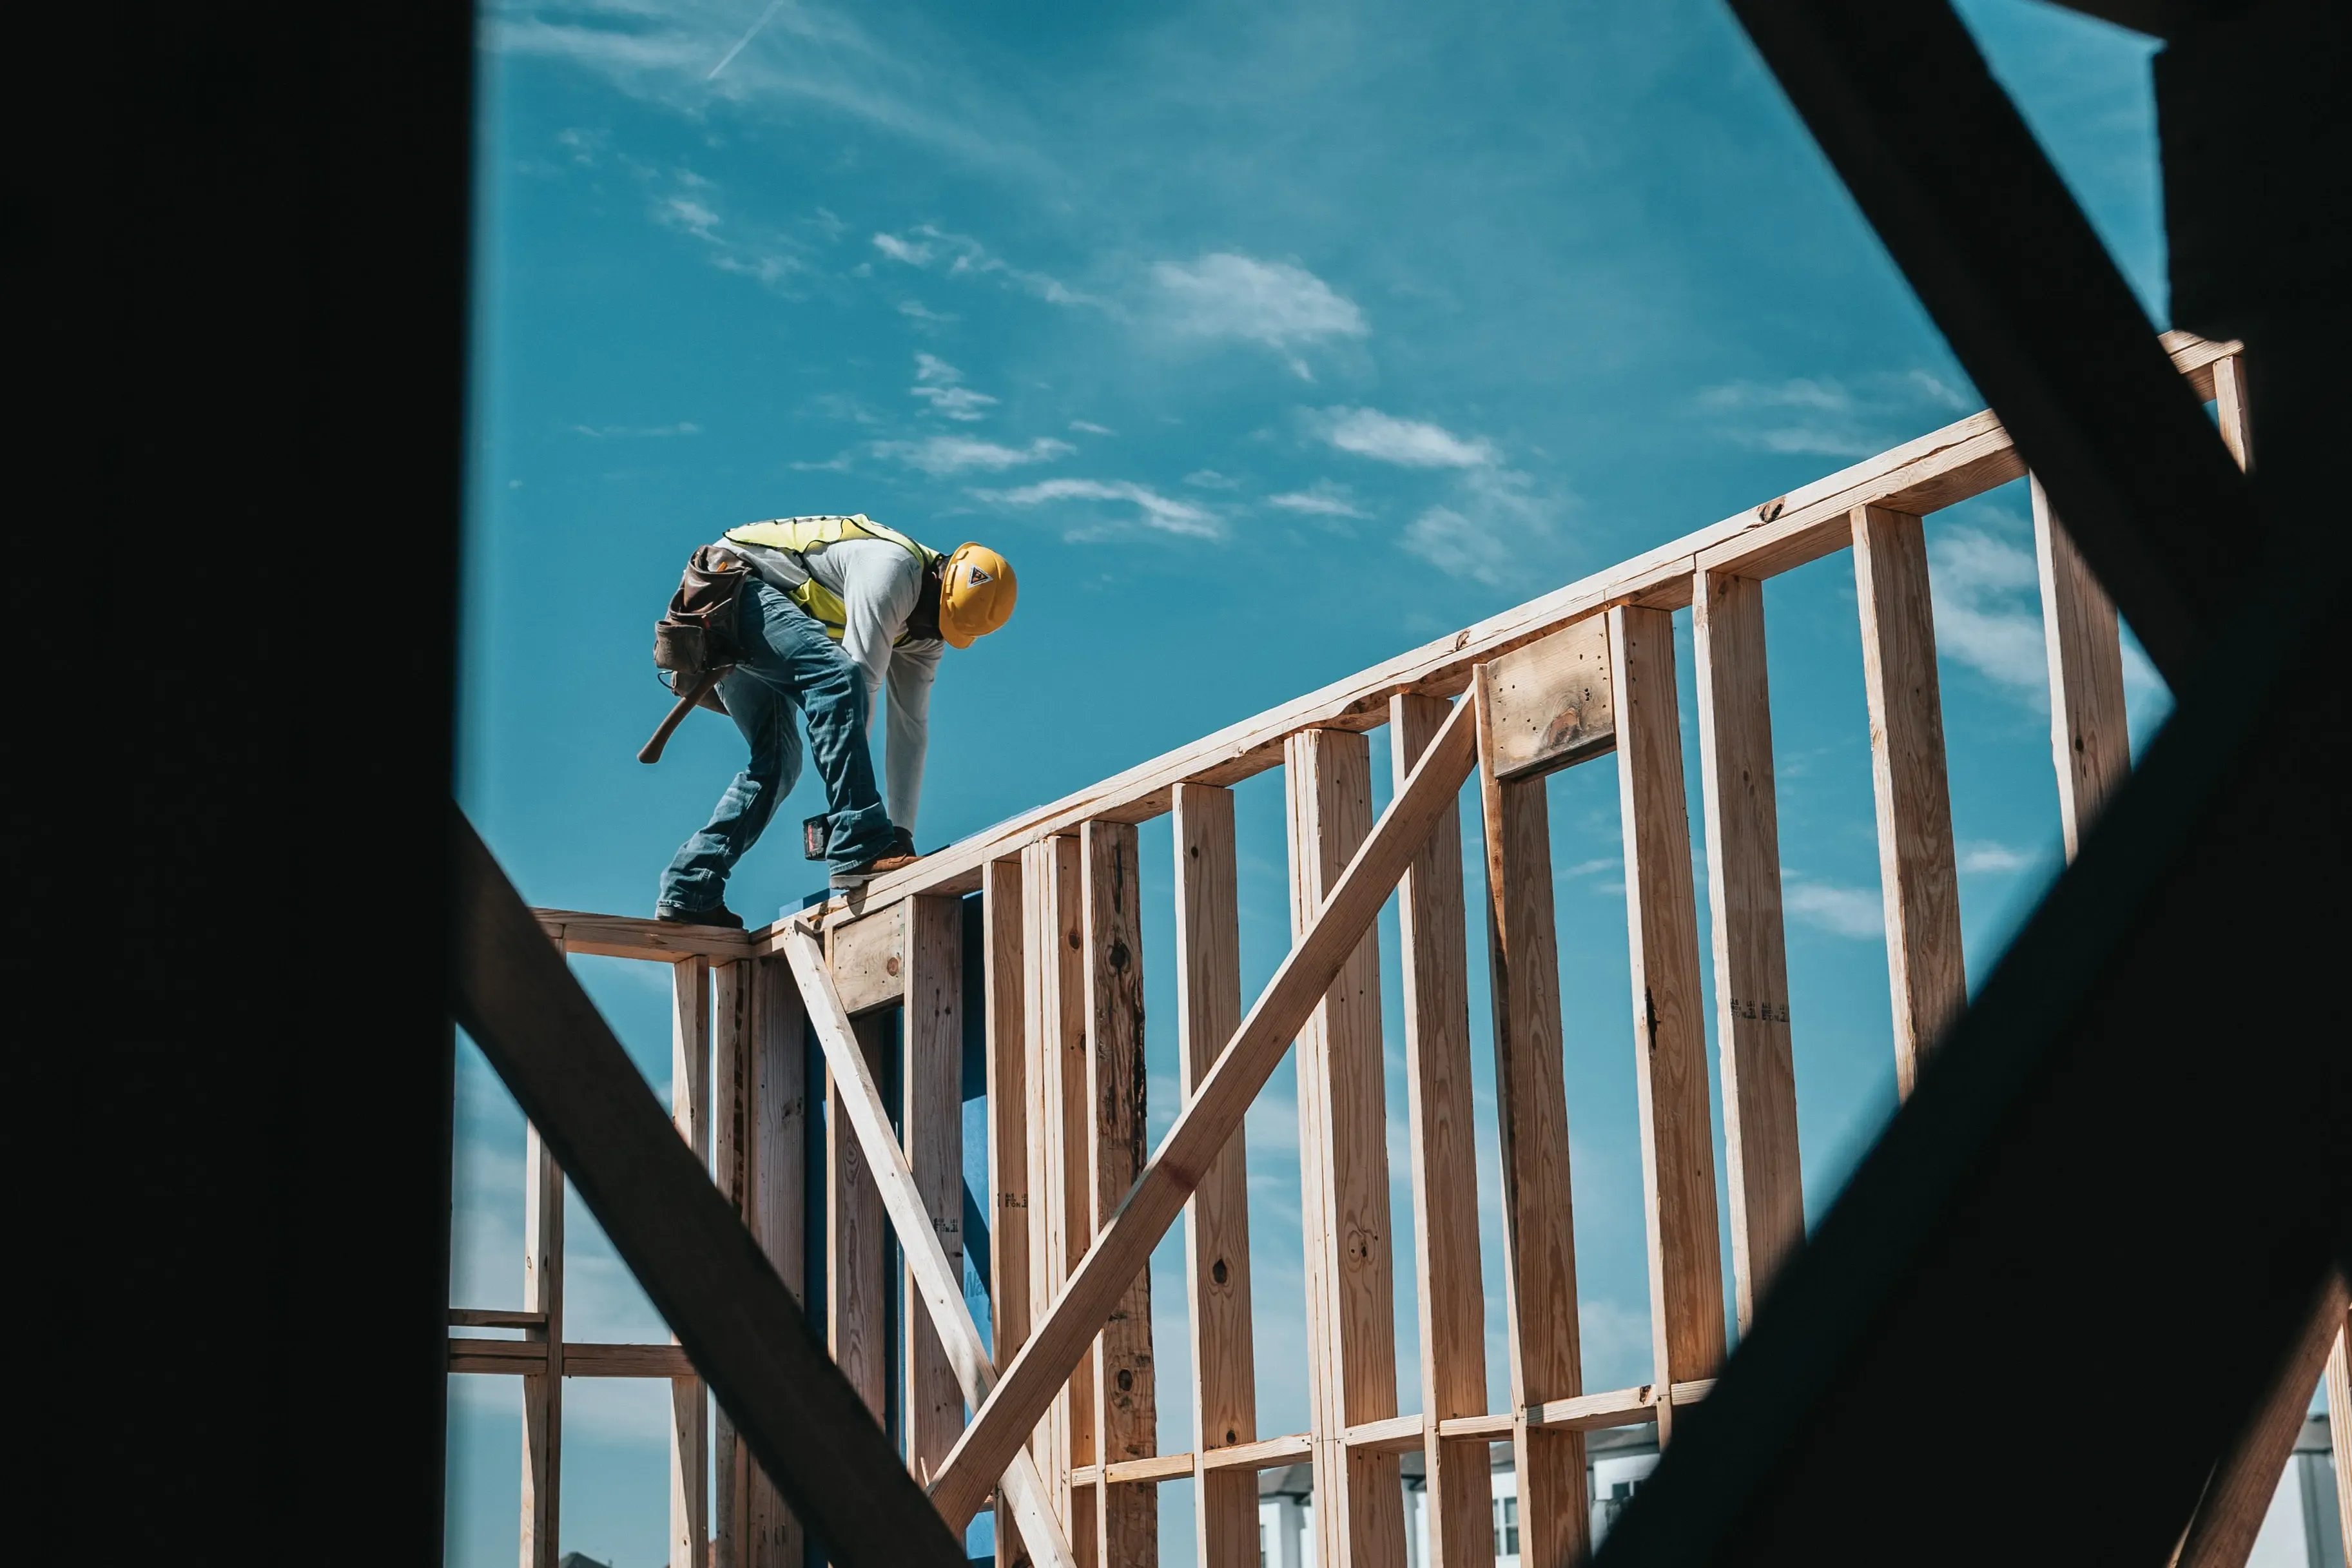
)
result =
(789, 666)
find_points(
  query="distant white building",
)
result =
(2302, 1529)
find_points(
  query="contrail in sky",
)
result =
(773, 7)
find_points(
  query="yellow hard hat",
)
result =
(976, 593)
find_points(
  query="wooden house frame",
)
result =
(1062, 1434)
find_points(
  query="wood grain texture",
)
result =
(1008, 1132)
(1344, 1167)
(732, 1136)
(854, 1272)
(778, 1209)
(1927, 978)
(1669, 1019)
(867, 957)
(1433, 940)
(1207, 1122)
(932, 1124)
(2090, 742)
(934, 1278)
(542, 1394)
(1531, 1115)
(1127, 1412)
(1551, 702)
(1752, 968)
(1939, 469)
(1056, 1018)
(2230, 410)
(2339, 1399)
(1216, 1221)
(689, 1403)
(2231, 1513)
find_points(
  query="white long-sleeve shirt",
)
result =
(878, 584)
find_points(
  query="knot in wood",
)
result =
(1217, 1270)
(1119, 955)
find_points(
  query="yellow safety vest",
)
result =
(802, 535)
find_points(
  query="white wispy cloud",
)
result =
(1407, 443)
(1825, 417)
(1161, 513)
(686, 202)
(1985, 591)
(637, 432)
(1210, 479)
(916, 310)
(1321, 499)
(1090, 428)
(940, 385)
(961, 255)
(1276, 303)
(1854, 911)
(797, 56)
(1456, 546)
(1986, 856)
(942, 454)
(1487, 531)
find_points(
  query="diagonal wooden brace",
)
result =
(1001, 1425)
(926, 1260)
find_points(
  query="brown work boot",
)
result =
(893, 859)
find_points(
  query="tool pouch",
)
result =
(696, 635)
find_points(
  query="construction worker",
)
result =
(834, 608)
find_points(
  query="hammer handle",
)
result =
(653, 749)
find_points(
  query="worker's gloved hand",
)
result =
(902, 840)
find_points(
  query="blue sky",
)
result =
(1266, 340)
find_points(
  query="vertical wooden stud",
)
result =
(732, 1151)
(1669, 1030)
(1917, 881)
(1343, 1139)
(2339, 1418)
(778, 1212)
(856, 1256)
(931, 1131)
(1431, 933)
(2231, 412)
(543, 1395)
(1008, 1135)
(1216, 1222)
(2090, 742)
(1061, 1123)
(1531, 1112)
(1752, 967)
(689, 1428)
(1127, 1420)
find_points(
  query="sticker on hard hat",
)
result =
(977, 577)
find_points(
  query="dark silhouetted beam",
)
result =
(1946, 171)
(2111, 1204)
